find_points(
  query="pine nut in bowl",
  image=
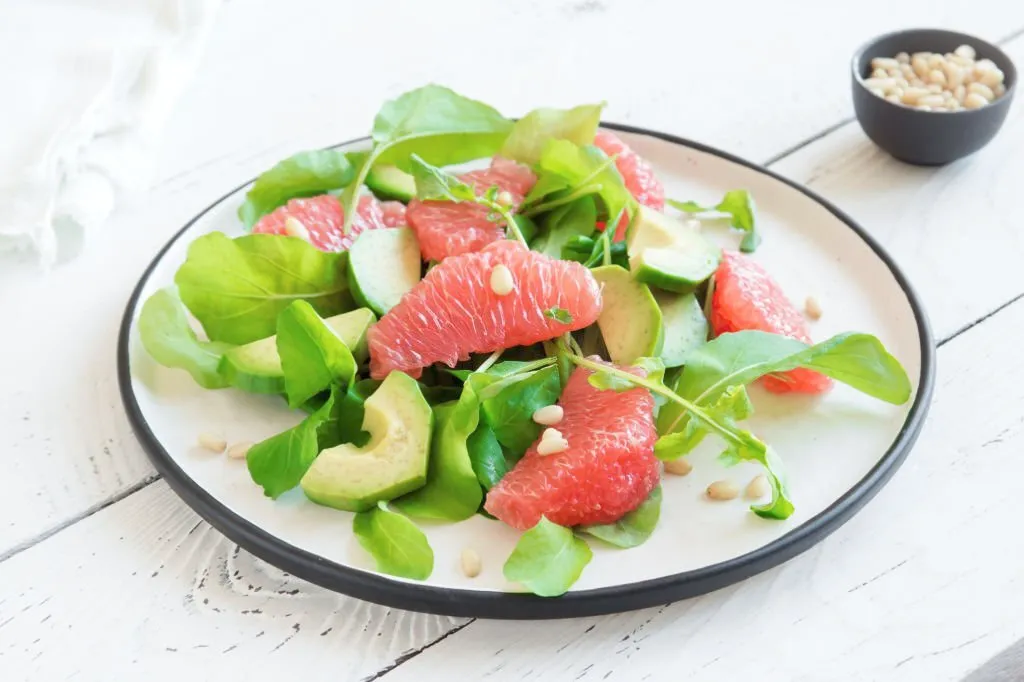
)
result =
(929, 96)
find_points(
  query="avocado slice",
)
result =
(393, 462)
(390, 182)
(383, 265)
(630, 320)
(665, 253)
(256, 367)
(685, 326)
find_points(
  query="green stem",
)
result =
(350, 204)
(489, 362)
(704, 417)
(510, 222)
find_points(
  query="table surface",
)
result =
(105, 573)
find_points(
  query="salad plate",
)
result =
(839, 448)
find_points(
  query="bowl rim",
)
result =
(969, 39)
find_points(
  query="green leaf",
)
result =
(345, 422)
(779, 506)
(739, 206)
(434, 183)
(169, 339)
(395, 543)
(548, 559)
(279, 462)
(313, 357)
(508, 407)
(634, 528)
(452, 491)
(559, 315)
(859, 360)
(732, 406)
(305, 174)
(574, 220)
(437, 124)
(236, 288)
(606, 381)
(530, 133)
(486, 456)
(583, 171)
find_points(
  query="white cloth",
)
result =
(84, 92)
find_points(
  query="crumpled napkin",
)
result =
(84, 93)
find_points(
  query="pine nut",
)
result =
(293, 227)
(757, 488)
(954, 75)
(920, 65)
(999, 90)
(471, 564)
(931, 101)
(813, 308)
(877, 92)
(678, 467)
(505, 198)
(992, 77)
(935, 61)
(934, 88)
(974, 101)
(903, 58)
(937, 77)
(911, 95)
(879, 73)
(502, 283)
(550, 446)
(239, 450)
(552, 434)
(884, 63)
(723, 490)
(960, 93)
(549, 415)
(212, 442)
(880, 83)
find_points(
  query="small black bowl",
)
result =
(928, 138)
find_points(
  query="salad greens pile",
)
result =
(284, 318)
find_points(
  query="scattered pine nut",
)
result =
(212, 442)
(550, 446)
(293, 227)
(471, 564)
(549, 415)
(678, 467)
(239, 450)
(723, 490)
(813, 308)
(501, 280)
(757, 488)
(552, 434)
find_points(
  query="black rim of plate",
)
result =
(381, 589)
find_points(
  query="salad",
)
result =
(536, 340)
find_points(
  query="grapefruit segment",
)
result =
(607, 470)
(448, 229)
(322, 217)
(453, 311)
(747, 297)
(637, 174)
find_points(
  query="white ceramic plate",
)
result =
(838, 450)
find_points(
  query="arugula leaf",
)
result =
(739, 358)
(279, 462)
(345, 422)
(433, 183)
(526, 141)
(583, 171)
(305, 174)
(396, 544)
(548, 559)
(634, 528)
(732, 406)
(434, 122)
(236, 288)
(312, 355)
(508, 407)
(559, 315)
(452, 491)
(739, 206)
(576, 219)
(169, 339)
(486, 456)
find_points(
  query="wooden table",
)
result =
(106, 575)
